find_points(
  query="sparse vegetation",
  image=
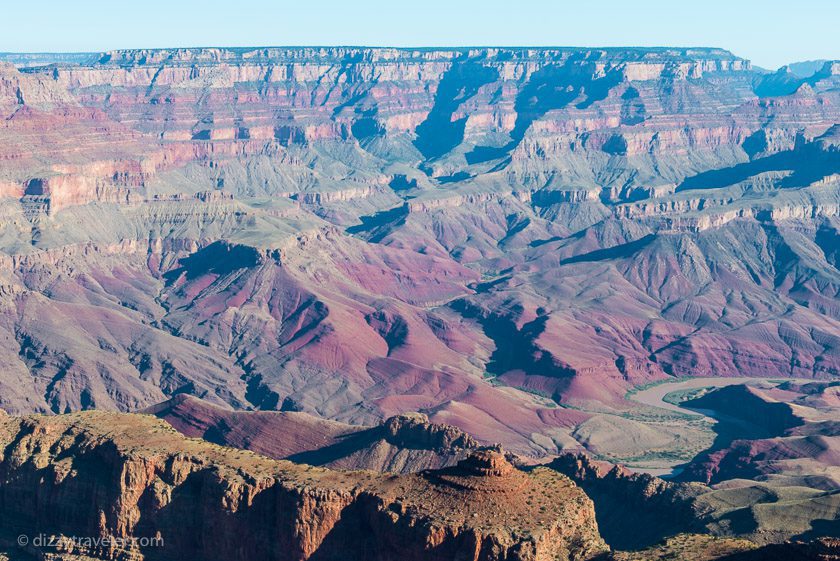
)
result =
(679, 396)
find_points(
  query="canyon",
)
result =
(390, 260)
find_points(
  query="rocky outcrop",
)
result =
(634, 510)
(404, 443)
(131, 476)
(36, 91)
(415, 431)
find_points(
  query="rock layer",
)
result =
(404, 443)
(477, 234)
(122, 476)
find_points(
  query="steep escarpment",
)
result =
(633, 510)
(124, 476)
(235, 106)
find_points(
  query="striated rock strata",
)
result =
(104, 474)
(356, 233)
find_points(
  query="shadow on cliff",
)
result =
(822, 528)
(740, 415)
(550, 88)
(439, 133)
(368, 530)
(278, 523)
(348, 445)
(262, 526)
(806, 164)
(516, 347)
(376, 226)
(633, 510)
(620, 251)
(219, 258)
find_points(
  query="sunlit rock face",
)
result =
(358, 233)
(133, 478)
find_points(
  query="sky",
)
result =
(771, 33)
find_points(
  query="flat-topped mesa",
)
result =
(486, 470)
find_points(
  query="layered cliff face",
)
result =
(98, 475)
(112, 486)
(479, 235)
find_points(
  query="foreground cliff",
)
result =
(123, 476)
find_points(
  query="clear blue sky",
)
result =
(769, 32)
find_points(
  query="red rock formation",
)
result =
(122, 476)
(405, 443)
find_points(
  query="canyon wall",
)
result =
(501, 239)
(98, 475)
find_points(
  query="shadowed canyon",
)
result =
(420, 304)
